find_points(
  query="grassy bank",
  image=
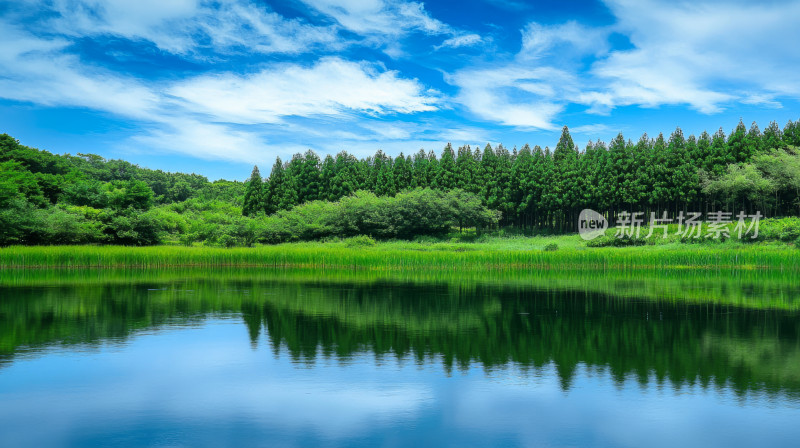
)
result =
(559, 252)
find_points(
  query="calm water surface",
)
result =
(260, 358)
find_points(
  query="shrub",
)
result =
(612, 241)
(552, 247)
(360, 241)
(410, 214)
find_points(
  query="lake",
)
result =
(259, 357)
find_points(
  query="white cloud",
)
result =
(215, 116)
(185, 26)
(568, 39)
(465, 40)
(534, 87)
(380, 17)
(590, 129)
(763, 100)
(331, 87)
(36, 70)
(703, 54)
(204, 140)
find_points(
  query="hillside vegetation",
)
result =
(84, 199)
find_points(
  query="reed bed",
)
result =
(391, 258)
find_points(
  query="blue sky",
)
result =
(214, 87)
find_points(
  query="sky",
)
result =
(215, 87)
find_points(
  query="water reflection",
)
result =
(459, 325)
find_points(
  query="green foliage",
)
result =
(552, 247)
(786, 229)
(254, 200)
(612, 241)
(133, 194)
(530, 188)
(408, 214)
(360, 241)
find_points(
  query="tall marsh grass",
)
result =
(406, 257)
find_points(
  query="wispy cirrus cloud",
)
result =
(189, 27)
(463, 40)
(40, 71)
(531, 89)
(380, 17)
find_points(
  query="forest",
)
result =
(85, 199)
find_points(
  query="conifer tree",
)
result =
(401, 170)
(772, 137)
(253, 194)
(327, 174)
(420, 168)
(466, 170)
(446, 176)
(282, 193)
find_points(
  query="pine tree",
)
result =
(565, 158)
(702, 156)
(401, 170)
(253, 194)
(659, 174)
(683, 175)
(791, 133)
(345, 180)
(737, 147)
(282, 193)
(551, 190)
(446, 177)
(719, 157)
(772, 137)
(384, 184)
(327, 174)
(521, 172)
(466, 170)
(433, 169)
(308, 178)
(752, 142)
(420, 169)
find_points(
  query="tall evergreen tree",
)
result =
(282, 192)
(791, 133)
(345, 180)
(737, 147)
(327, 174)
(466, 170)
(772, 137)
(420, 168)
(403, 175)
(254, 194)
(446, 176)
(308, 178)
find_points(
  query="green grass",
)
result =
(497, 253)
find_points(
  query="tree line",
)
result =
(47, 198)
(747, 170)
